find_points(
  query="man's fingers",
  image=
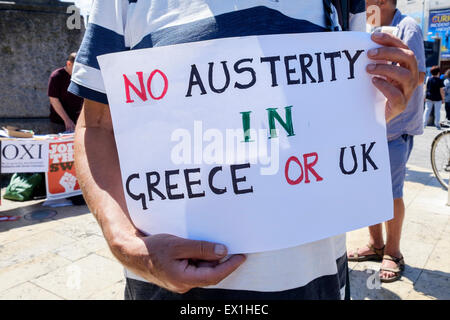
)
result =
(201, 250)
(204, 276)
(404, 57)
(387, 39)
(396, 99)
(396, 73)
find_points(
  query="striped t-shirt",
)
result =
(315, 270)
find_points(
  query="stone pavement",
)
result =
(66, 257)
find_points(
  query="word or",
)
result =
(308, 167)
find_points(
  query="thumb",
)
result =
(202, 250)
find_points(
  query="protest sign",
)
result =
(61, 176)
(23, 155)
(260, 142)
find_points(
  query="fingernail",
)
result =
(220, 249)
(377, 35)
(373, 52)
(371, 67)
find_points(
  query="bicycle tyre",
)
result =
(438, 141)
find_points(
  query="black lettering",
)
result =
(319, 67)
(4, 151)
(352, 61)
(355, 161)
(235, 180)
(133, 196)
(305, 66)
(210, 77)
(194, 80)
(366, 157)
(212, 173)
(332, 56)
(27, 151)
(273, 70)
(190, 183)
(289, 71)
(241, 70)
(151, 186)
(170, 187)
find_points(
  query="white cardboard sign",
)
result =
(23, 155)
(260, 143)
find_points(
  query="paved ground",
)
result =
(66, 257)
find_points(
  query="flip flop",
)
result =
(377, 256)
(9, 218)
(400, 262)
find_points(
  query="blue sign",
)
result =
(439, 26)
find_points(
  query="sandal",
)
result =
(400, 262)
(377, 256)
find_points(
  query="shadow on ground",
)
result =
(61, 213)
(434, 284)
(423, 177)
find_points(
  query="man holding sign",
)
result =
(137, 190)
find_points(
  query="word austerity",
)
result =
(290, 64)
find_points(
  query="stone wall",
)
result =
(34, 40)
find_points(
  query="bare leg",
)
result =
(375, 239)
(393, 232)
(376, 235)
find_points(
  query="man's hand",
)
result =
(400, 79)
(70, 126)
(178, 264)
(168, 261)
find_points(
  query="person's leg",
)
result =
(447, 110)
(426, 114)
(394, 226)
(396, 153)
(437, 114)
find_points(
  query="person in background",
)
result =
(434, 97)
(400, 133)
(447, 94)
(65, 107)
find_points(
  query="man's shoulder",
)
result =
(60, 72)
(409, 23)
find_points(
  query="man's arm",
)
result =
(162, 259)
(421, 78)
(442, 94)
(56, 104)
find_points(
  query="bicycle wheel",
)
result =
(440, 157)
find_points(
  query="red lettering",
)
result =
(286, 171)
(142, 94)
(149, 83)
(309, 166)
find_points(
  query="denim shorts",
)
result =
(399, 152)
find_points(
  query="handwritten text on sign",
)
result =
(259, 143)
